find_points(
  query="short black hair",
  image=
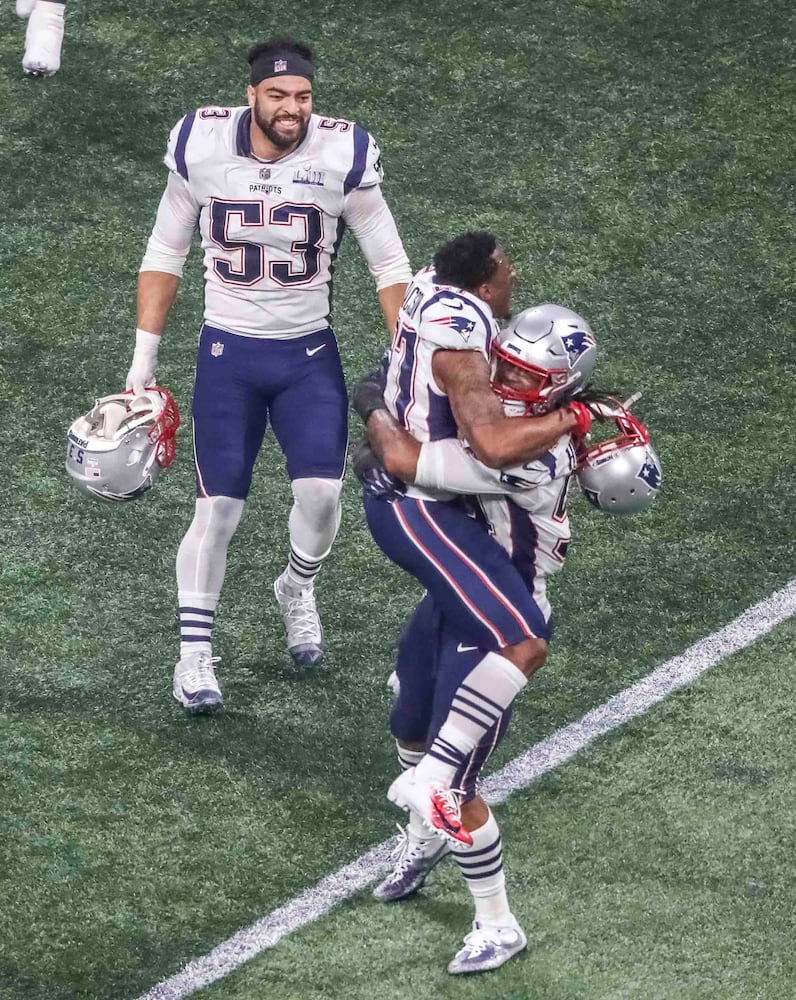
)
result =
(278, 45)
(467, 260)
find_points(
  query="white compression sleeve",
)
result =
(448, 465)
(202, 556)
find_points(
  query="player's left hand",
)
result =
(582, 414)
(376, 480)
(369, 393)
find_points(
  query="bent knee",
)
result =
(528, 656)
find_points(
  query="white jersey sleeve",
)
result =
(175, 225)
(369, 218)
(448, 464)
(526, 505)
(373, 174)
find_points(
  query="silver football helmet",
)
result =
(117, 450)
(553, 343)
(623, 474)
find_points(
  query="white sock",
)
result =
(197, 612)
(479, 702)
(482, 867)
(410, 758)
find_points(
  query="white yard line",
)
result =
(517, 774)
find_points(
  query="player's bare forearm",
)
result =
(495, 439)
(512, 440)
(396, 450)
(390, 299)
(156, 293)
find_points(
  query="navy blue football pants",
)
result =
(242, 383)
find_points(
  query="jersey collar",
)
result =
(243, 139)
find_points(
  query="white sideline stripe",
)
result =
(517, 774)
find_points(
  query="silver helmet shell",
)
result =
(553, 343)
(623, 474)
(117, 450)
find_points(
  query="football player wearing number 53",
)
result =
(272, 187)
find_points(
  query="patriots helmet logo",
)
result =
(650, 472)
(576, 344)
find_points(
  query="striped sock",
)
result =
(301, 570)
(197, 612)
(482, 867)
(480, 700)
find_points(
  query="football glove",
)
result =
(376, 480)
(583, 416)
(369, 390)
(145, 356)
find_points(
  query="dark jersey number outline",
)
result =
(250, 265)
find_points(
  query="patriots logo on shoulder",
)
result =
(650, 473)
(460, 324)
(576, 344)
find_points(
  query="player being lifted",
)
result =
(271, 186)
(522, 508)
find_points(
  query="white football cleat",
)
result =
(43, 39)
(414, 859)
(438, 807)
(486, 948)
(24, 8)
(303, 626)
(195, 686)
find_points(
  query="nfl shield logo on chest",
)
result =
(217, 349)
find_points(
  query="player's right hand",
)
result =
(376, 480)
(142, 367)
(139, 377)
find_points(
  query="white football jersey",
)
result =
(269, 230)
(525, 506)
(433, 317)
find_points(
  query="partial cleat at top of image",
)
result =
(302, 624)
(439, 808)
(195, 685)
(486, 948)
(24, 8)
(414, 859)
(43, 39)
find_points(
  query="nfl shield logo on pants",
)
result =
(217, 349)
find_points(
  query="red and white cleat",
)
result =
(439, 808)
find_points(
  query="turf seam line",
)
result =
(520, 772)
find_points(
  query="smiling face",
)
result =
(520, 380)
(281, 108)
(497, 291)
